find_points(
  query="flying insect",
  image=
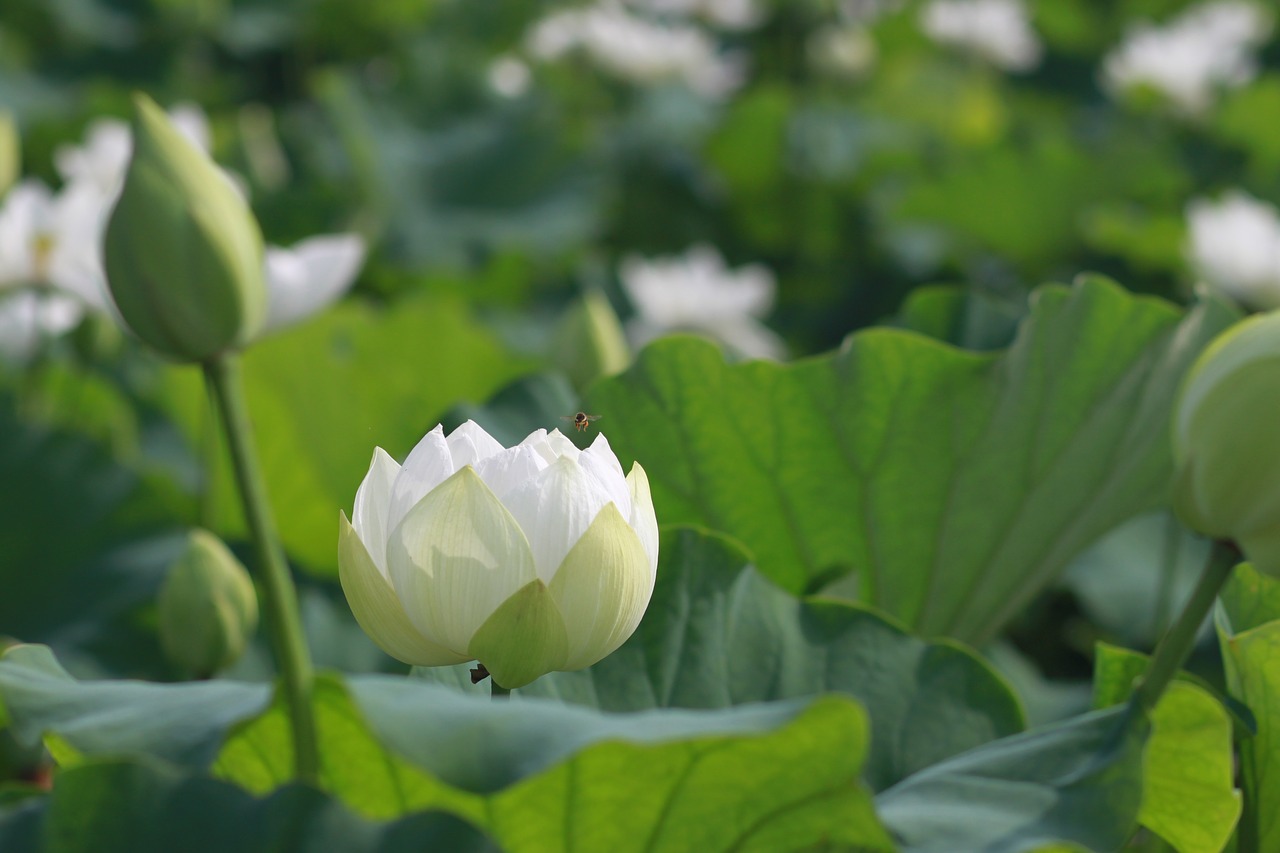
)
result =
(581, 421)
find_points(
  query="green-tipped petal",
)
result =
(523, 639)
(377, 608)
(602, 588)
(455, 557)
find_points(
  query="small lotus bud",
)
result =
(590, 342)
(10, 153)
(1226, 441)
(208, 607)
(183, 252)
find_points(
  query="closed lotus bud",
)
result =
(10, 153)
(590, 342)
(208, 607)
(530, 559)
(1226, 441)
(183, 252)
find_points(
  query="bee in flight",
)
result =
(581, 421)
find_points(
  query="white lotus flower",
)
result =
(49, 240)
(998, 30)
(638, 49)
(1207, 48)
(696, 292)
(29, 317)
(1234, 244)
(309, 276)
(532, 559)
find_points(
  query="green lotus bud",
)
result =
(590, 342)
(183, 253)
(10, 153)
(1226, 441)
(208, 607)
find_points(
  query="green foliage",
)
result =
(955, 485)
(1188, 793)
(1248, 624)
(315, 394)
(717, 634)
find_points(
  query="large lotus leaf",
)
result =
(178, 722)
(1248, 623)
(957, 485)
(717, 634)
(782, 775)
(752, 777)
(1079, 781)
(322, 394)
(148, 806)
(1188, 792)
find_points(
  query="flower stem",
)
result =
(496, 690)
(222, 373)
(1176, 644)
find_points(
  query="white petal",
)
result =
(643, 519)
(601, 450)
(469, 444)
(455, 558)
(503, 473)
(427, 466)
(373, 504)
(310, 276)
(554, 510)
(561, 446)
(608, 477)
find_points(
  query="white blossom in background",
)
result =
(696, 292)
(1234, 245)
(997, 30)
(842, 50)
(309, 276)
(725, 14)
(29, 317)
(508, 76)
(638, 49)
(50, 240)
(1207, 48)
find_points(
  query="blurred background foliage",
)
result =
(882, 175)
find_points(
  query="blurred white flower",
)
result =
(531, 559)
(997, 30)
(726, 14)
(49, 240)
(842, 50)
(1207, 48)
(309, 276)
(508, 76)
(696, 292)
(636, 49)
(29, 317)
(1234, 245)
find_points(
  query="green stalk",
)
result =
(222, 373)
(496, 690)
(1177, 643)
